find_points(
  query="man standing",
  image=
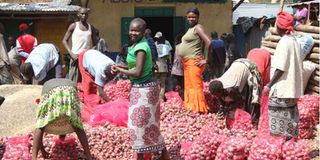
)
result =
(5, 76)
(232, 52)
(83, 38)
(25, 43)
(164, 56)
(151, 43)
(286, 85)
(15, 61)
(101, 44)
(217, 58)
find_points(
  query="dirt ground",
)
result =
(18, 112)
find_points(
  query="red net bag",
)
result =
(18, 148)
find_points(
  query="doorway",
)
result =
(161, 24)
(161, 19)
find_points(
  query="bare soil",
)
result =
(18, 112)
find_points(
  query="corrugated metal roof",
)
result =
(257, 11)
(55, 6)
(308, 2)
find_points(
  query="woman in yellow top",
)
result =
(191, 50)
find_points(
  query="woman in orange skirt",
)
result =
(191, 50)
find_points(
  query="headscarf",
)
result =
(261, 57)
(23, 27)
(284, 21)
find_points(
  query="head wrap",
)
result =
(23, 27)
(285, 21)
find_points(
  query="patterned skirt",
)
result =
(58, 100)
(283, 117)
(144, 118)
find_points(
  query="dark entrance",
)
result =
(157, 19)
(162, 24)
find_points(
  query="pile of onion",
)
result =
(118, 89)
(17, 148)
(206, 145)
(292, 150)
(242, 125)
(179, 125)
(65, 149)
(109, 142)
(308, 106)
(234, 148)
(266, 147)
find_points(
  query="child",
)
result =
(177, 69)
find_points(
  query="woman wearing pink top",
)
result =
(301, 15)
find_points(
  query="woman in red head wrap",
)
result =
(284, 22)
(286, 84)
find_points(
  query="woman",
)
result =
(59, 98)
(177, 68)
(144, 110)
(261, 57)
(286, 84)
(192, 51)
(240, 86)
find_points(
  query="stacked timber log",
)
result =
(270, 43)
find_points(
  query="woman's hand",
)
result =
(73, 56)
(121, 66)
(114, 69)
(265, 90)
(199, 63)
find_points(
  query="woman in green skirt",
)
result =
(59, 99)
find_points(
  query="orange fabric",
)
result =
(87, 83)
(194, 98)
(262, 59)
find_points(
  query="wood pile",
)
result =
(270, 43)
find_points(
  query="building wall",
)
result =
(52, 31)
(106, 16)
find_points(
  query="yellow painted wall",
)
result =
(106, 17)
(52, 31)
